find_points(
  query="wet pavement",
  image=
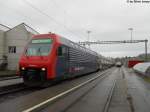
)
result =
(131, 94)
(7, 73)
(139, 91)
(27, 101)
(11, 82)
(91, 98)
(119, 102)
(95, 99)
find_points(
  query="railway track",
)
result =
(102, 92)
(110, 95)
(117, 99)
(12, 89)
(68, 92)
(9, 78)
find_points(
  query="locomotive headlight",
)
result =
(43, 69)
(22, 68)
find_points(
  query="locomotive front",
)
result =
(37, 63)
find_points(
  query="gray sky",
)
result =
(107, 19)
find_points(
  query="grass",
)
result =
(147, 79)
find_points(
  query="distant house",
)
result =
(12, 43)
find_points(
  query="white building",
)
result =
(12, 43)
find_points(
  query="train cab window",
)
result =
(62, 51)
(39, 47)
(59, 51)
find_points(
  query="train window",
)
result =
(61, 51)
(74, 45)
(38, 49)
(71, 44)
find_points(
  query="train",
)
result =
(118, 64)
(132, 62)
(142, 69)
(50, 57)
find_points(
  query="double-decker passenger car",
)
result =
(50, 57)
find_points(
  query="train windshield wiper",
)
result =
(39, 51)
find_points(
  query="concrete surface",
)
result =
(119, 102)
(7, 73)
(24, 102)
(11, 82)
(138, 90)
(131, 94)
(86, 99)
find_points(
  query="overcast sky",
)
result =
(106, 19)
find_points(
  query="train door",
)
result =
(62, 61)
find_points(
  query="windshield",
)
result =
(39, 47)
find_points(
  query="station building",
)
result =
(12, 43)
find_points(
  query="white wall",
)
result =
(19, 37)
(1, 43)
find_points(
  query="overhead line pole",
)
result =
(131, 29)
(118, 42)
(146, 41)
(88, 32)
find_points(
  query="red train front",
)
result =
(49, 57)
(38, 62)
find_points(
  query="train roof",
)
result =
(69, 43)
(142, 67)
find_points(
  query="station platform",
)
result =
(96, 98)
(11, 82)
(7, 73)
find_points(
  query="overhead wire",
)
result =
(19, 14)
(50, 17)
(62, 9)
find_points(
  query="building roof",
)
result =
(28, 28)
(4, 27)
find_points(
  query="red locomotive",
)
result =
(50, 57)
(131, 63)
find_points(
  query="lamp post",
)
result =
(131, 29)
(88, 32)
(146, 41)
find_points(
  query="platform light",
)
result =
(43, 69)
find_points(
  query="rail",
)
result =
(12, 89)
(55, 98)
(106, 107)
